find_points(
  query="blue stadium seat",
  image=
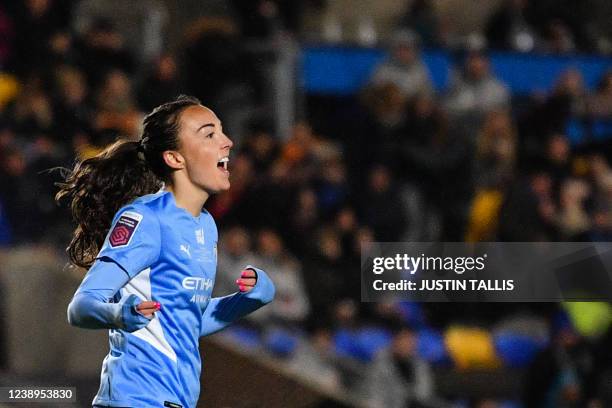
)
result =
(280, 342)
(245, 336)
(431, 347)
(361, 344)
(517, 350)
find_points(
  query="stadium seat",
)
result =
(431, 347)
(471, 348)
(590, 319)
(280, 342)
(361, 344)
(411, 314)
(516, 350)
(244, 336)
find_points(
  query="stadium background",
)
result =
(353, 121)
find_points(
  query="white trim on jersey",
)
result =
(153, 333)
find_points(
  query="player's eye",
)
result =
(210, 135)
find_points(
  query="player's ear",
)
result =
(174, 159)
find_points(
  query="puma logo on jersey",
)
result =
(185, 249)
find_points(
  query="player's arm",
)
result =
(132, 244)
(256, 290)
(91, 306)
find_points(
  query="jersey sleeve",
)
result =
(91, 306)
(223, 311)
(134, 239)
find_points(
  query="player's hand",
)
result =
(247, 281)
(136, 314)
(148, 308)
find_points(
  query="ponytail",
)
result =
(97, 188)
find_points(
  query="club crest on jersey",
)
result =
(200, 236)
(124, 229)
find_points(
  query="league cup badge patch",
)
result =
(124, 229)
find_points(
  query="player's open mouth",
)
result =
(222, 164)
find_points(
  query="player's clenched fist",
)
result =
(248, 279)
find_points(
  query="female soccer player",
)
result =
(150, 278)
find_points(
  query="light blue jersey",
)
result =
(160, 252)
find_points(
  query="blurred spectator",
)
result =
(261, 145)
(558, 39)
(433, 158)
(567, 100)
(475, 90)
(425, 125)
(558, 160)
(160, 85)
(578, 22)
(291, 302)
(379, 137)
(102, 49)
(379, 210)
(346, 225)
(45, 155)
(32, 111)
(353, 237)
(72, 108)
(528, 211)
(228, 82)
(601, 229)
(509, 29)
(423, 19)
(404, 67)
(18, 194)
(556, 378)
(496, 150)
(386, 107)
(303, 221)
(325, 280)
(139, 22)
(573, 218)
(601, 172)
(117, 111)
(331, 185)
(299, 155)
(263, 18)
(265, 205)
(36, 25)
(6, 37)
(398, 377)
(227, 204)
(570, 89)
(600, 104)
(495, 165)
(314, 360)
(601, 209)
(234, 253)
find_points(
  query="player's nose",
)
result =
(227, 142)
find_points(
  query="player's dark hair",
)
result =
(99, 186)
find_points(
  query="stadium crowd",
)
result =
(406, 163)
